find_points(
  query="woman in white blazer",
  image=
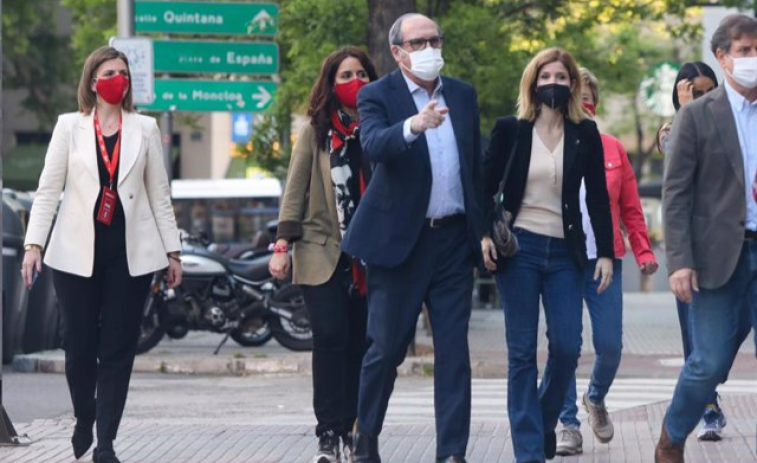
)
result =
(115, 227)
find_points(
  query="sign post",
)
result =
(139, 50)
(213, 18)
(209, 57)
(212, 95)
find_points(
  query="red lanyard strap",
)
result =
(111, 163)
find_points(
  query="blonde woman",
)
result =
(555, 147)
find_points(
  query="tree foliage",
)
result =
(35, 57)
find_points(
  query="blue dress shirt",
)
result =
(446, 187)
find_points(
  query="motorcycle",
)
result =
(238, 298)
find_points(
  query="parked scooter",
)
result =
(238, 298)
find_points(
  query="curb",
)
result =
(288, 364)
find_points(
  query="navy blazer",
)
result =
(583, 158)
(391, 214)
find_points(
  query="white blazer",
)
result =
(71, 169)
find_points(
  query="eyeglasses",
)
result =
(420, 43)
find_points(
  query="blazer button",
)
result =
(742, 223)
(566, 206)
(131, 195)
(570, 226)
(609, 164)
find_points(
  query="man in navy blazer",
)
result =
(418, 229)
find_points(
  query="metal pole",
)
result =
(126, 29)
(125, 18)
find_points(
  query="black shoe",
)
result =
(451, 459)
(328, 448)
(550, 444)
(82, 440)
(366, 449)
(105, 456)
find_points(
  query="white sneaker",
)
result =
(328, 449)
(713, 422)
(571, 442)
(599, 420)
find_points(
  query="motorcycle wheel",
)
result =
(150, 333)
(295, 334)
(252, 332)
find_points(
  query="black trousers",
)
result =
(338, 316)
(101, 322)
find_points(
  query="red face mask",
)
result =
(590, 107)
(113, 90)
(347, 92)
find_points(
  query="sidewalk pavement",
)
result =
(211, 440)
(651, 347)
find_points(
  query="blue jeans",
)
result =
(718, 319)
(606, 312)
(542, 269)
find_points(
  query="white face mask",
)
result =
(745, 71)
(425, 64)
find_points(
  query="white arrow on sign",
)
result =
(262, 96)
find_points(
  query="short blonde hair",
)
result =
(86, 97)
(528, 107)
(591, 82)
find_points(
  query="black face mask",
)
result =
(555, 96)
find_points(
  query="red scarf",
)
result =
(340, 135)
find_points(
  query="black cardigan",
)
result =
(583, 158)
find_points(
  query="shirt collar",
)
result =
(413, 87)
(738, 102)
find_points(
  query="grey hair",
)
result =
(731, 28)
(395, 33)
(591, 82)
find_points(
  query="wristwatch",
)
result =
(28, 247)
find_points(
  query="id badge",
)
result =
(107, 206)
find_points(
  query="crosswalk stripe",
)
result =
(489, 397)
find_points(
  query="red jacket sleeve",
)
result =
(631, 214)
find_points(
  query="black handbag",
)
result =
(504, 240)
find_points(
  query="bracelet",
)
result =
(29, 247)
(174, 257)
(279, 248)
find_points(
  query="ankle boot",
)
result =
(82, 439)
(366, 449)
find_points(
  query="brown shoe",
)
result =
(668, 451)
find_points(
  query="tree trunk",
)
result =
(381, 16)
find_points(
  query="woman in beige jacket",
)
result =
(115, 227)
(327, 175)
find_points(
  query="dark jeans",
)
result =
(606, 312)
(102, 317)
(542, 269)
(338, 317)
(439, 272)
(717, 322)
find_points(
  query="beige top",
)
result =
(541, 212)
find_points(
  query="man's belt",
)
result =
(445, 221)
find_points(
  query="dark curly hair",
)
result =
(323, 100)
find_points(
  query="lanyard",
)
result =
(111, 163)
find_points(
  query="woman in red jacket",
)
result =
(606, 309)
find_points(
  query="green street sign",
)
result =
(211, 95)
(215, 18)
(216, 57)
